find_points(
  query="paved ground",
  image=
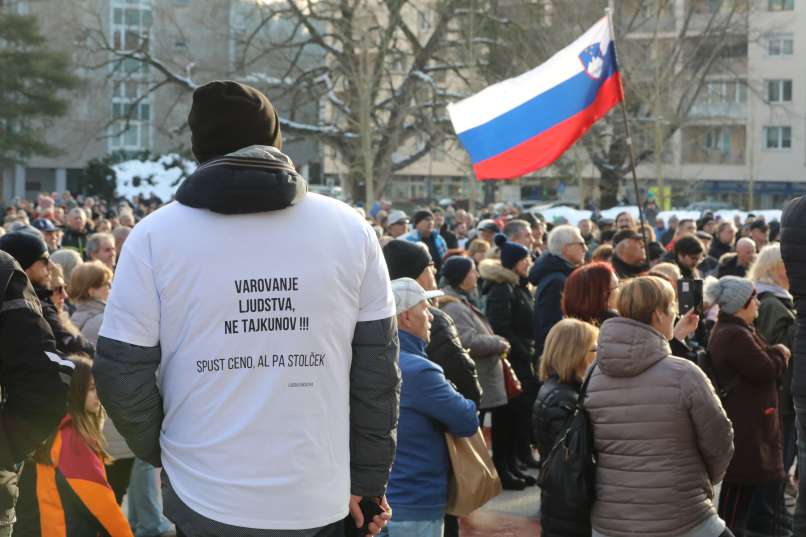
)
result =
(512, 514)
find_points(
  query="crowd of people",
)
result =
(497, 317)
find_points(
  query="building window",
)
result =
(132, 114)
(724, 91)
(779, 91)
(781, 5)
(778, 137)
(780, 45)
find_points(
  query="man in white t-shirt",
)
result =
(249, 344)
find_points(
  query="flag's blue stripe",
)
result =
(536, 115)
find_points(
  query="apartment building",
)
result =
(746, 134)
(122, 104)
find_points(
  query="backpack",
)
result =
(568, 472)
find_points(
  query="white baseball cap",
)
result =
(408, 293)
(397, 217)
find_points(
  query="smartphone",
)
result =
(689, 295)
(370, 507)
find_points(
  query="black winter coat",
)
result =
(33, 394)
(625, 271)
(554, 406)
(718, 249)
(445, 349)
(548, 275)
(793, 250)
(509, 310)
(729, 266)
(66, 342)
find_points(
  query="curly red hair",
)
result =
(587, 291)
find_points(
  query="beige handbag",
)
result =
(474, 480)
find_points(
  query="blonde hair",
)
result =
(641, 297)
(602, 253)
(90, 275)
(766, 261)
(566, 348)
(477, 246)
(666, 270)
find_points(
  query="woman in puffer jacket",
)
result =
(569, 350)
(662, 437)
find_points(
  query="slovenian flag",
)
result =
(523, 124)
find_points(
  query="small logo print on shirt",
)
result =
(300, 384)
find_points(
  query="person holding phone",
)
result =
(751, 369)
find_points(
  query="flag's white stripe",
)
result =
(504, 96)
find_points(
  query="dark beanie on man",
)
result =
(26, 248)
(226, 116)
(455, 269)
(421, 215)
(511, 252)
(405, 259)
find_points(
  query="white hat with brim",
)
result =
(408, 293)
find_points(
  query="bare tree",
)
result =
(368, 79)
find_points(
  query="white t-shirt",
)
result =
(255, 315)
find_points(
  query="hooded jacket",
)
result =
(548, 275)
(34, 380)
(509, 310)
(662, 437)
(737, 352)
(793, 251)
(260, 183)
(484, 346)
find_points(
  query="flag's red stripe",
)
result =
(548, 146)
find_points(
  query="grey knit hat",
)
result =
(730, 293)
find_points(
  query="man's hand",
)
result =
(378, 523)
(687, 325)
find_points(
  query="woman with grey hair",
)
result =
(776, 324)
(749, 371)
(68, 259)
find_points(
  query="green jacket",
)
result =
(776, 324)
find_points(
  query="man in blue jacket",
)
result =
(429, 406)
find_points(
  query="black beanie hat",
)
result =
(511, 252)
(405, 259)
(227, 116)
(455, 269)
(421, 215)
(25, 247)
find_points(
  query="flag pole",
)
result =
(630, 147)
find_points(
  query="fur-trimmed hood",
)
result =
(493, 271)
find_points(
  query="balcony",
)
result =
(737, 111)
